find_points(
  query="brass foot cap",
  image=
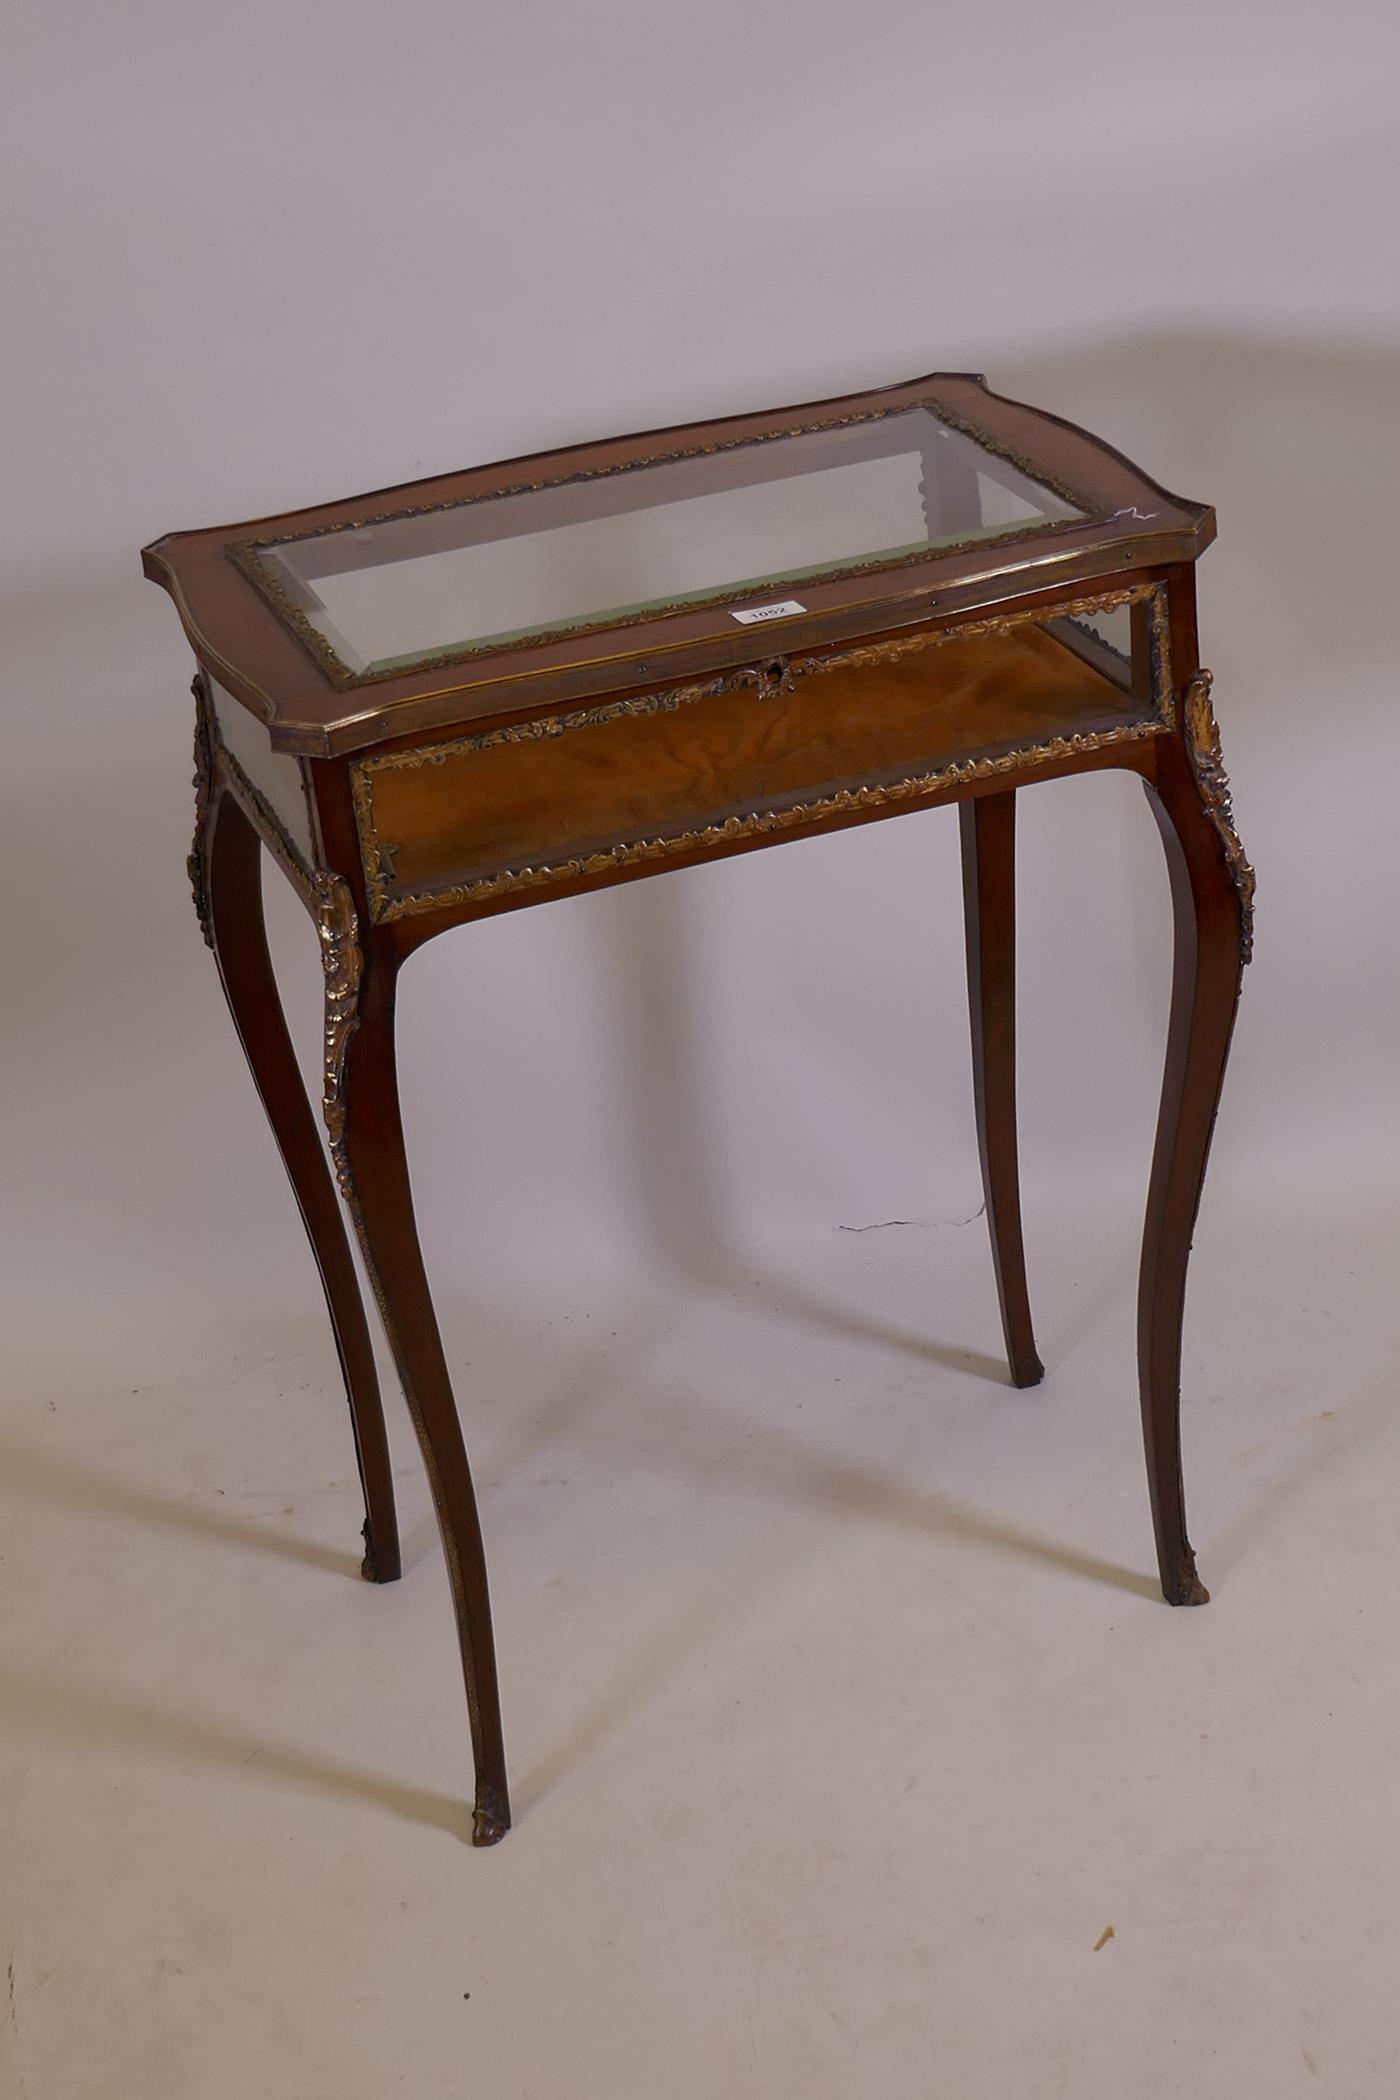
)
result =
(371, 1566)
(490, 1820)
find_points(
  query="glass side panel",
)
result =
(614, 546)
(277, 778)
(1103, 639)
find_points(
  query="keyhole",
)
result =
(773, 677)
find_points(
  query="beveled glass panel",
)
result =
(761, 516)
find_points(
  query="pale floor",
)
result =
(843, 1720)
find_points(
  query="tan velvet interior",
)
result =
(529, 802)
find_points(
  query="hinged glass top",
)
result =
(758, 516)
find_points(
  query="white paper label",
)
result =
(783, 610)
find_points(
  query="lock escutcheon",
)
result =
(771, 678)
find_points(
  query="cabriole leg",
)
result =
(1212, 888)
(366, 1130)
(228, 881)
(989, 904)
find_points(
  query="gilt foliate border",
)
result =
(386, 904)
(1202, 732)
(197, 861)
(342, 963)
